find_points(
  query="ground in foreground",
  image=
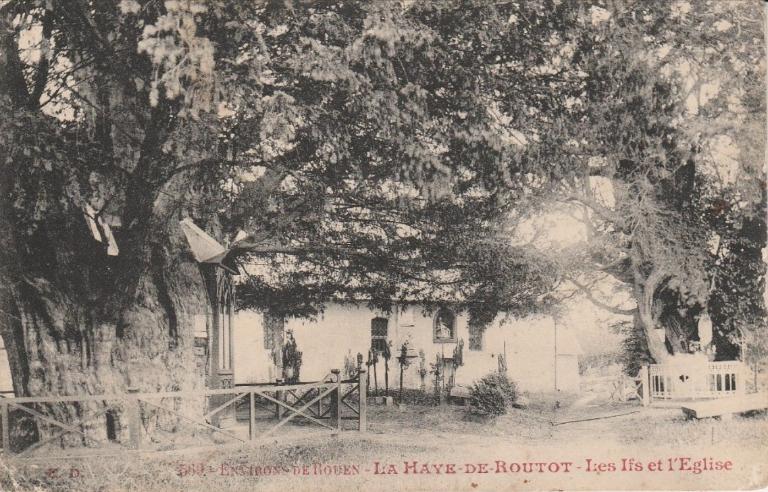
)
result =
(553, 443)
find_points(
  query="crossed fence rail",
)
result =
(326, 403)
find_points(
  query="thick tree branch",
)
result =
(613, 267)
(597, 302)
(189, 167)
(598, 208)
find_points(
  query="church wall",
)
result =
(344, 330)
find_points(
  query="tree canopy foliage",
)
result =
(376, 150)
(675, 133)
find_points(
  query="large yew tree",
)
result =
(669, 169)
(371, 145)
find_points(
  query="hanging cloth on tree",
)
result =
(100, 230)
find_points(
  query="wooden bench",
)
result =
(725, 407)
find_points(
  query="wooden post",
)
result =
(252, 416)
(134, 418)
(336, 399)
(401, 384)
(279, 397)
(386, 377)
(645, 385)
(368, 381)
(362, 406)
(6, 429)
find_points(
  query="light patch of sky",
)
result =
(278, 30)
(700, 95)
(592, 326)
(253, 174)
(405, 231)
(701, 88)
(6, 383)
(562, 229)
(679, 9)
(724, 163)
(31, 49)
(556, 230)
(663, 51)
(571, 101)
(29, 44)
(598, 15)
(723, 25)
(289, 184)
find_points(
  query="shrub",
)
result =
(491, 395)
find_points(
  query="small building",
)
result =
(535, 352)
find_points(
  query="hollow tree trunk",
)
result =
(62, 343)
(81, 322)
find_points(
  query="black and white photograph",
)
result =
(419, 245)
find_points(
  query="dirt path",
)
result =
(568, 426)
(437, 448)
(584, 400)
(416, 460)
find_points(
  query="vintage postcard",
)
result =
(382, 245)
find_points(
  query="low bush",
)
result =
(492, 395)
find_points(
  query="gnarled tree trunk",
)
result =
(73, 330)
(79, 318)
(645, 289)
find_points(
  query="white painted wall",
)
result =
(345, 328)
(6, 383)
(568, 378)
(326, 340)
(252, 362)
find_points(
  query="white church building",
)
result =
(245, 347)
(536, 352)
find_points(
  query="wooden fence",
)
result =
(674, 382)
(325, 403)
(715, 380)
